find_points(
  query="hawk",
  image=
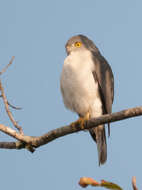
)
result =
(87, 86)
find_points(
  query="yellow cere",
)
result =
(78, 44)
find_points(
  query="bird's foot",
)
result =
(81, 121)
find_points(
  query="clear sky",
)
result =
(35, 32)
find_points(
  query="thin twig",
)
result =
(14, 107)
(134, 183)
(5, 68)
(66, 130)
(8, 111)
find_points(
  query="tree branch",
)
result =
(38, 141)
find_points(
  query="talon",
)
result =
(81, 121)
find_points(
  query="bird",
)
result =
(87, 87)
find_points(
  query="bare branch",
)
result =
(5, 68)
(134, 183)
(8, 111)
(66, 130)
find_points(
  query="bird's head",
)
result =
(80, 43)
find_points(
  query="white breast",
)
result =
(79, 89)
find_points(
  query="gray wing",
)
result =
(104, 76)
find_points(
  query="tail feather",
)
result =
(98, 134)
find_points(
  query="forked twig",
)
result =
(8, 111)
(6, 103)
(3, 70)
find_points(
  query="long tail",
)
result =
(98, 134)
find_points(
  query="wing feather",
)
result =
(103, 75)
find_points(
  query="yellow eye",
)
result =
(78, 44)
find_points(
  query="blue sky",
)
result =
(35, 32)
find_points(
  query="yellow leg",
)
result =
(81, 121)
